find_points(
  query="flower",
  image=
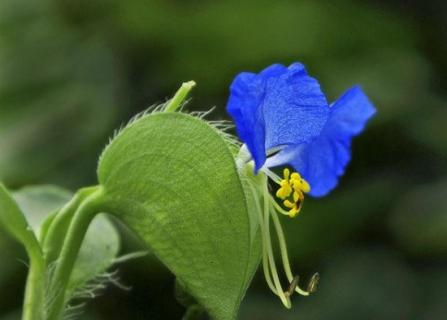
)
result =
(283, 108)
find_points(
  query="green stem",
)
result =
(46, 224)
(271, 259)
(54, 237)
(179, 96)
(278, 208)
(34, 302)
(265, 265)
(284, 254)
(79, 224)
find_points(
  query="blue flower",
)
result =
(283, 108)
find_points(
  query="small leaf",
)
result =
(172, 179)
(14, 222)
(37, 202)
(100, 246)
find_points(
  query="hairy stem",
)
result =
(54, 237)
(77, 229)
(34, 302)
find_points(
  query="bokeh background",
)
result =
(73, 71)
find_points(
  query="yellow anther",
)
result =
(300, 184)
(291, 191)
(293, 212)
(289, 204)
(305, 186)
(281, 193)
(286, 185)
(295, 176)
(286, 188)
(286, 173)
(297, 195)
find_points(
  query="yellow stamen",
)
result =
(289, 204)
(295, 176)
(286, 188)
(292, 190)
(269, 210)
(297, 196)
(286, 173)
(293, 212)
(305, 186)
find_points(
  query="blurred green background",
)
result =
(73, 71)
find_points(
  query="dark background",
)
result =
(73, 71)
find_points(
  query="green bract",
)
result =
(172, 179)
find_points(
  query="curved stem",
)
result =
(285, 300)
(278, 208)
(80, 222)
(284, 254)
(54, 237)
(46, 224)
(265, 263)
(34, 302)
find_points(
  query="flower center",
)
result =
(291, 191)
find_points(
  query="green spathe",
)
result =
(172, 179)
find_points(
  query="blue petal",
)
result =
(322, 161)
(294, 107)
(278, 107)
(244, 107)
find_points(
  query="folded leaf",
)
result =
(172, 179)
